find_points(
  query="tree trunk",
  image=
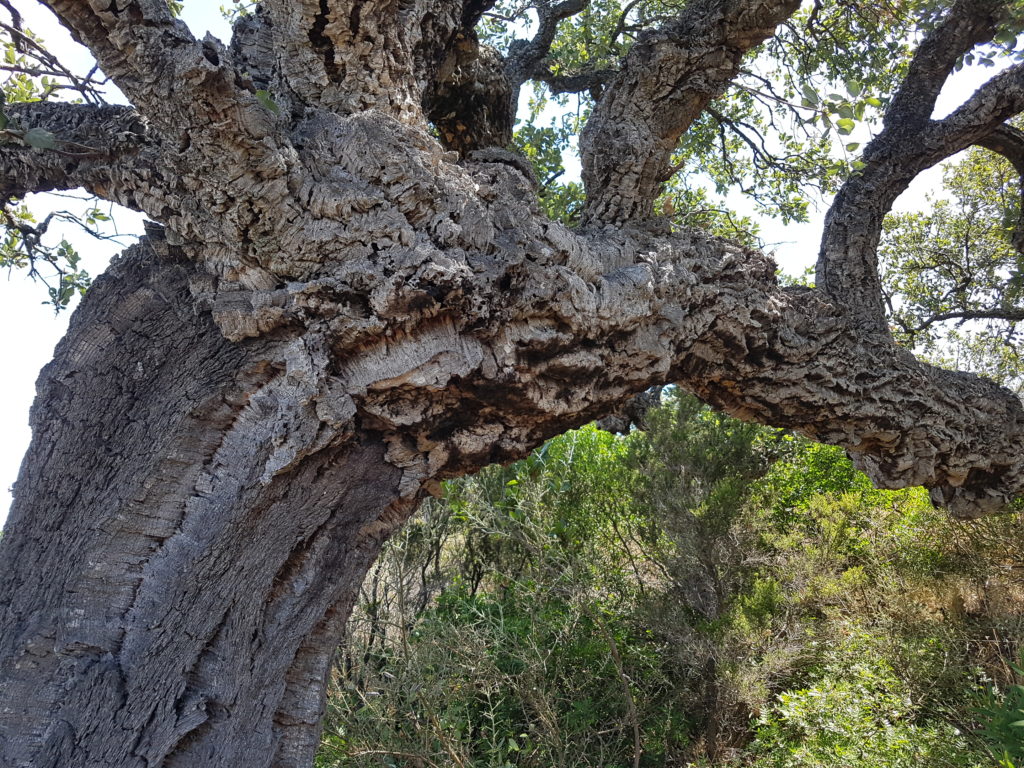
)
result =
(164, 598)
(342, 311)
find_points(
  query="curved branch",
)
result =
(526, 57)
(968, 23)
(910, 142)
(95, 147)
(667, 80)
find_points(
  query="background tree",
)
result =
(952, 275)
(352, 292)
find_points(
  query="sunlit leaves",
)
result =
(544, 145)
(237, 8)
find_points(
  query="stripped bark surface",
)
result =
(335, 311)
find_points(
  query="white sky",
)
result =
(30, 328)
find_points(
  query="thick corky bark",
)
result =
(139, 635)
(338, 312)
(100, 146)
(667, 80)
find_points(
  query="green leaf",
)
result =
(264, 98)
(845, 125)
(39, 138)
(852, 146)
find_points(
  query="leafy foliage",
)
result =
(1002, 715)
(706, 592)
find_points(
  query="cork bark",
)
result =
(334, 311)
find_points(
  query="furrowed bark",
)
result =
(186, 616)
(339, 314)
(667, 80)
(105, 149)
(352, 55)
(190, 92)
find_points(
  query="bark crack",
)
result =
(322, 43)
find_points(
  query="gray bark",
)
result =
(164, 600)
(339, 312)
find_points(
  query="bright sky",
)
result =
(31, 330)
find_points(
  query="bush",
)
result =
(705, 593)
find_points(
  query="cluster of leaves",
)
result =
(238, 8)
(705, 592)
(22, 248)
(546, 146)
(1002, 712)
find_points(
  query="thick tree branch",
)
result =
(967, 24)
(667, 80)
(188, 90)
(96, 147)
(582, 81)
(569, 326)
(847, 268)
(526, 57)
(134, 41)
